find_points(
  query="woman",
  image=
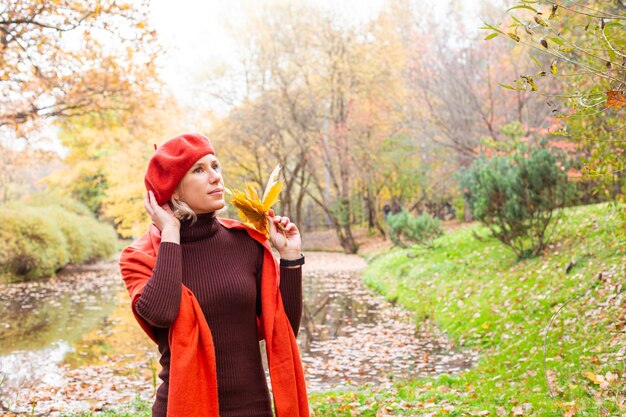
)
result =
(206, 289)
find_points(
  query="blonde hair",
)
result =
(181, 210)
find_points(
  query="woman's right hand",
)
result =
(163, 218)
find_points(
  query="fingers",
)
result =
(271, 224)
(152, 207)
(284, 222)
(291, 228)
(167, 208)
(280, 220)
(148, 204)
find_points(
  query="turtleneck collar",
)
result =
(204, 227)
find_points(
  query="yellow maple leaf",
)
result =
(592, 377)
(252, 209)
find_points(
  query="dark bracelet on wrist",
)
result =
(292, 262)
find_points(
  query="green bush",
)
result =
(48, 199)
(32, 245)
(516, 196)
(103, 241)
(39, 240)
(75, 230)
(406, 229)
(87, 239)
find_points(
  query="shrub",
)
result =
(87, 239)
(103, 240)
(516, 196)
(75, 230)
(39, 240)
(32, 245)
(406, 229)
(48, 199)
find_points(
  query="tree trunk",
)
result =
(467, 211)
(346, 240)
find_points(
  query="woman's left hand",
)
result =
(289, 244)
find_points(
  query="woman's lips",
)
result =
(215, 192)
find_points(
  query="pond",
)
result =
(71, 342)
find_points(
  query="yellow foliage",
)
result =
(252, 209)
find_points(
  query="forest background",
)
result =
(360, 114)
(387, 118)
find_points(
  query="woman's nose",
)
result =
(214, 176)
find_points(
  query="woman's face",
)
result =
(202, 187)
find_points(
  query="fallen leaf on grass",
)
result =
(522, 410)
(615, 99)
(551, 376)
(382, 412)
(592, 377)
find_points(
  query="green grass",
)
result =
(139, 408)
(484, 299)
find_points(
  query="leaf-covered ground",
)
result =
(73, 345)
(352, 337)
(69, 343)
(473, 289)
(476, 291)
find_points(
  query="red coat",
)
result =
(193, 378)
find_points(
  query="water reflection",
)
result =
(332, 304)
(19, 367)
(36, 315)
(64, 339)
(72, 342)
(350, 336)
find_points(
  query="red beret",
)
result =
(171, 161)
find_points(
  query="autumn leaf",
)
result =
(540, 21)
(382, 412)
(513, 36)
(553, 12)
(553, 67)
(615, 99)
(530, 81)
(272, 189)
(592, 377)
(604, 381)
(552, 384)
(252, 209)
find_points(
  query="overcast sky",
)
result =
(195, 33)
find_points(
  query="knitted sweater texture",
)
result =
(222, 267)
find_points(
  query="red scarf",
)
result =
(193, 378)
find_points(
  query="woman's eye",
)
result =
(216, 167)
(199, 169)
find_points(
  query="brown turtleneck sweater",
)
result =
(222, 267)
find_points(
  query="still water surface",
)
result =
(71, 342)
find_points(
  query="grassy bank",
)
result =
(139, 408)
(473, 288)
